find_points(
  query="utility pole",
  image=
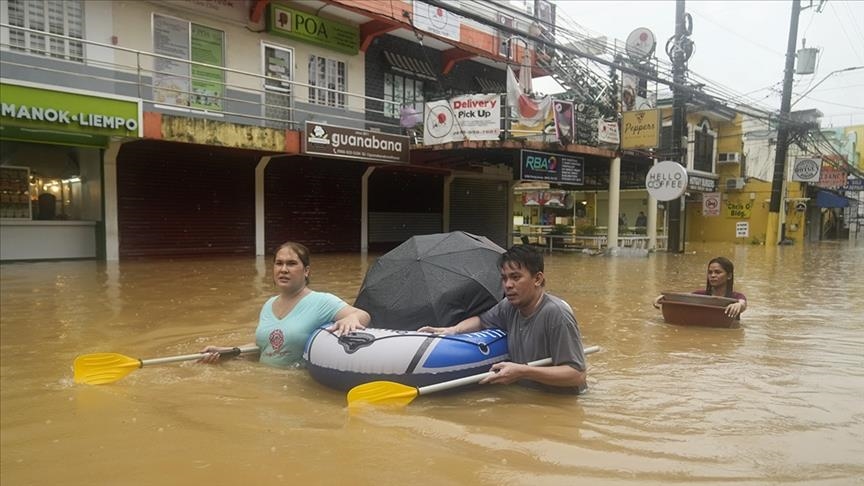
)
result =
(784, 122)
(675, 240)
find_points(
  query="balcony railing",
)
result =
(241, 97)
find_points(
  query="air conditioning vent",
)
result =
(735, 183)
(729, 157)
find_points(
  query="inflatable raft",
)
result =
(408, 357)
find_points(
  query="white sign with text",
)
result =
(666, 180)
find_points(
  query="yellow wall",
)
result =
(859, 145)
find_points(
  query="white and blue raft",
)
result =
(408, 357)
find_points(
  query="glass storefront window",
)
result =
(61, 183)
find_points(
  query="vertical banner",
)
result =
(711, 204)
(564, 121)
(742, 229)
(530, 115)
(208, 83)
(607, 132)
(170, 77)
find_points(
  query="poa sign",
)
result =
(666, 180)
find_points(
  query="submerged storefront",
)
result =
(51, 177)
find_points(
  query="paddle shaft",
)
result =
(190, 357)
(476, 378)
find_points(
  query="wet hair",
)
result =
(729, 268)
(523, 256)
(299, 249)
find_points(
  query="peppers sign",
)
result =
(307, 27)
(666, 180)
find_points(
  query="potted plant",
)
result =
(560, 230)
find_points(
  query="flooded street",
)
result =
(778, 401)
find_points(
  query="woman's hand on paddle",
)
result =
(210, 354)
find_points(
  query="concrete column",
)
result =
(652, 221)
(614, 201)
(445, 217)
(260, 249)
(364, 210)
(109, 181)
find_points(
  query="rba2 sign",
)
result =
(351, 143)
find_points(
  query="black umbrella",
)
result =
(436, 280)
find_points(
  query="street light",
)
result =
(854, 68)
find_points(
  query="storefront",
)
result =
(51, 180)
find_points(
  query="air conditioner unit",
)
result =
(728, 157)
(735, 183)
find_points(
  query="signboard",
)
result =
(666, 180)
(738, 209)
(607, 132)
(711, 204)
(831, 178)
(208, 83)
(436, 20)
(543, 166)
(742, 229)
(854, 185)
(295, 24)
(640, 129)
(469, 117)
(27, 111)
(171, 84)
(352, 143)
(806, 169)
(698, 181)
(565, 123)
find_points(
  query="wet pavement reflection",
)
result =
(778, 400)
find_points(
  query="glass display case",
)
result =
(15, 200)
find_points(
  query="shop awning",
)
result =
(490, 85)
(828, 199)
(410, 66)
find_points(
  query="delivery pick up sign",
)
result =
(666, 180)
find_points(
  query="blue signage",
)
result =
(854, 185)
(549, 167)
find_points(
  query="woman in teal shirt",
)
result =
(287, 319)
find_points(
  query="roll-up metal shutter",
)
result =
(183, 199)
(479, 206)
(403, 204)
(313, 201)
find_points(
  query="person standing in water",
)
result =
(538, 324)
(288, 319)
(720, 283)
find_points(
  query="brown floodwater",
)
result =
(778, 401)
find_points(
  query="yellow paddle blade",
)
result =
(101, 368)
(382, 393)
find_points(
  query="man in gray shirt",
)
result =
(538, 326)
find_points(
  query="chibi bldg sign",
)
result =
(352, 143)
